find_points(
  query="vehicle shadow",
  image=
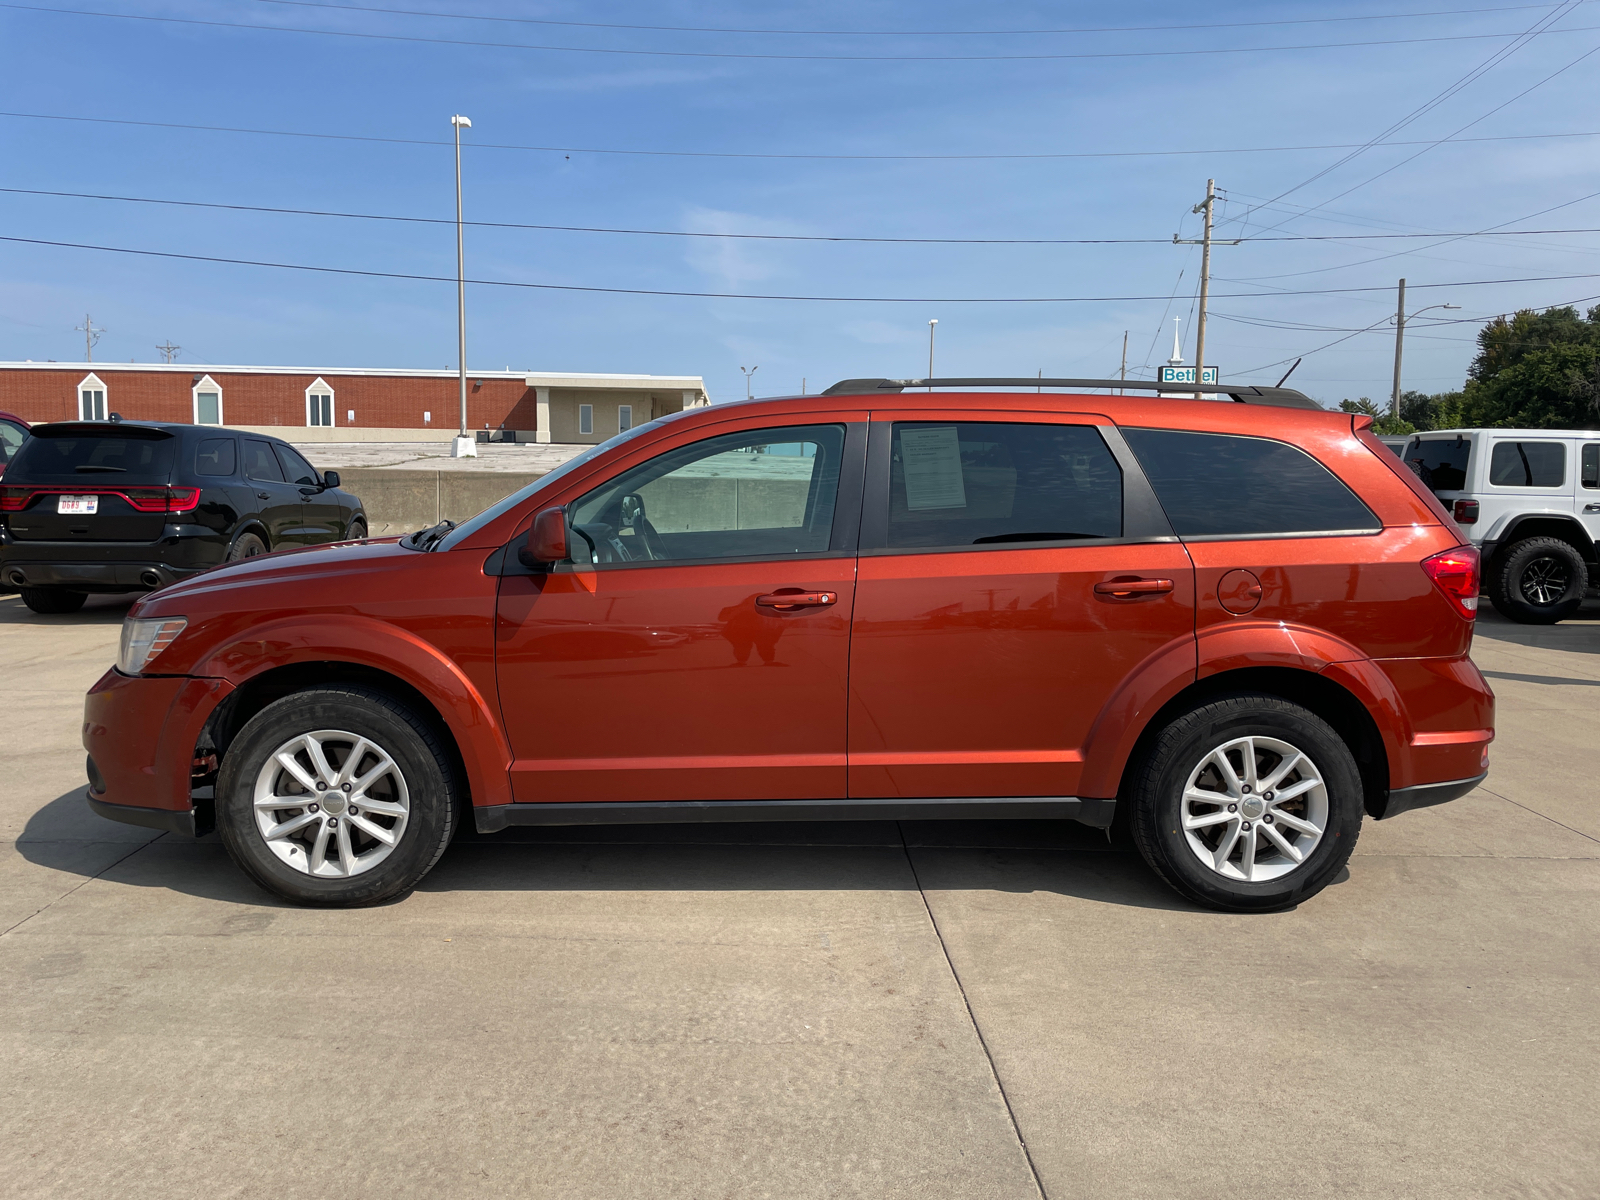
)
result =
(96, 610)
(1580, 632)
(1010, 856)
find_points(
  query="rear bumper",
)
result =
(182, 551)
(133, 576)
(140, 734)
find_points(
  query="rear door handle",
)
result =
(263, 495)
(798, 599)
(1591, 508)
(1120, 588)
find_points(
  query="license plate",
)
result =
(78, 506)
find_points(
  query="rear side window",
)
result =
(981, 483)
(1591, 465)
(1220, 485)
(215, 456)
(1441, 463)
(1528, 464)
(134, 456)
(259, 462)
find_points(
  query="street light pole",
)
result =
(464, 446)
(932, 325)
(1399, 344)
(748, 372)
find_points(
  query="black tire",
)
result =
(1538, 581)
(1158, 807)
(426, 785)
(357, 530)
(246, 545)
(53, 601)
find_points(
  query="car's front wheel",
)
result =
(336, 796)
(52, 600)
(1538, 581)
(1248, 803)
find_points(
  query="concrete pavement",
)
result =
(947, 1010)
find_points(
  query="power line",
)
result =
(406, 12)
(764, 237)
(352, 137)
(571, 287)
(728, 54)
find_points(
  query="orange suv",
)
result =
(1227, 629)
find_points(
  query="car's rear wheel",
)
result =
(246, 545)
(1538, 581)
(51, 600)
(336, 796)
(1248, 803)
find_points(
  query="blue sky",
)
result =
(1200, 110)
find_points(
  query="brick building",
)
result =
(363, 404)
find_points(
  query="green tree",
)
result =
(1440, 410)
(1536, 370)
(1382, 422)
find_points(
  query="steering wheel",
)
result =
(631, 510)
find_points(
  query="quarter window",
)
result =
(215, 456)
(1528, 464)
(980, 483)
(1220, 485)
(766, 493)
(1441, 463)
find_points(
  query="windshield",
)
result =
(471, 526)
(95, 454)
(1441, 463)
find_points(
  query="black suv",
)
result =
(130, 506)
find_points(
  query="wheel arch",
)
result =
(1552, 525)
(250, 525)
(1315, 691)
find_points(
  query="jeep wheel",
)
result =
(53, 601)
(1538, 581)
(336, 796)
(1248, 803)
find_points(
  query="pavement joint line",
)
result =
(1537, 813)
(994, 1072)
(12, 929)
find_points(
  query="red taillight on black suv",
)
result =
(1465, 512)
(14, 499)
(140, 499)
(1455, 573)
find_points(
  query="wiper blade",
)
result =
(98, 467)
(424, 539)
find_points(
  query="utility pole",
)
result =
(932, 324)
(168, 351)
(91, 335)
(1206, 206)
(1124, 375)
(463, 446)
(1399, 349)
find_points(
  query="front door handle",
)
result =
(1591, 508)
(787, 599)
(1123, 588)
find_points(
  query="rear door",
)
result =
(278, 501)
(1589, 489)
(82, 482)
(1015, 570)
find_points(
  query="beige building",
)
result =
(592, 408)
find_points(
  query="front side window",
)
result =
(215, 456)
(259, 462)
(1591, 465)
(1528, 464)
(1221, 485)
(981, 483)
(1441, 463)
(296, 469)
(766, 493)
(585, 418)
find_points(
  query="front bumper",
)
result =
(140, 733)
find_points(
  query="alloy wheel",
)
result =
(1544, 581)
(331, 803)
(1254, 808)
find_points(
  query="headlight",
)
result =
(143, 640)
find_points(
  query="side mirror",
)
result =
(547, 540)
(330, 479)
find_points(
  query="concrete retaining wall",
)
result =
(400, 501)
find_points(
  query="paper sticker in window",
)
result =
(932, 462)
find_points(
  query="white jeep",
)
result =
(1529, 499)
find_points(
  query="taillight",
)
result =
(1455, 573)
(1465, 512)
(14, 499)
(162, 499)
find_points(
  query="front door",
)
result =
(320, 515)
(278, 501)
(698, 647)
(1007, 587)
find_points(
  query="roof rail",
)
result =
(1243, 393)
